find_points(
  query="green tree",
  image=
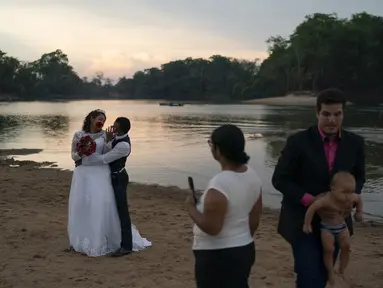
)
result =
(323, 51)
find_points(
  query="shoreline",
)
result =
(288, 100)
(6, 157)
(18, 152)
(33, 213)
(280, 100)
(308, 99)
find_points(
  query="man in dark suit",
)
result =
(304, 170)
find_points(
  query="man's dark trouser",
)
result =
(308, 261)
(120, 182)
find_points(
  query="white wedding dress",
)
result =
(93, 222)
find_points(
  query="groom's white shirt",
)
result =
(121, 149)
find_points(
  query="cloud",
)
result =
(115, 64)
(120, 37)
(15, 47)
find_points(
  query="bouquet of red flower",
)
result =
(86, 146)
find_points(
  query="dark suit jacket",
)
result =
(302, 168)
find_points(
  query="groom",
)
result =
(118, 151)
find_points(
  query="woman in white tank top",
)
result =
(227, 215)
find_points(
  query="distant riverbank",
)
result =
(293, 100)
(288, 100)
(306, 99)
(282, 100)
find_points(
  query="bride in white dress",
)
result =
(93, 222)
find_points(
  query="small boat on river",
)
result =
(173, 104)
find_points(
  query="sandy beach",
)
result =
(33, 217)
(288, 100)
(308, 99)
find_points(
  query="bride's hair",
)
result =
(87, 121)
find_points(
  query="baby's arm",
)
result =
(359, 208)
(313, 208)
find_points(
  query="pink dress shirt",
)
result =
(330, 148)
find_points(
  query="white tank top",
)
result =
(242, 191)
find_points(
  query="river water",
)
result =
(170, 143)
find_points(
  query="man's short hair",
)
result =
(124, 124)
(330, 96)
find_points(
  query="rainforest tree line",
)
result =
(323, 51)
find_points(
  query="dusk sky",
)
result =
(120, 37)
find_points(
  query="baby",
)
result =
(333, 207)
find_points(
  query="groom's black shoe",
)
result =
(121, 252)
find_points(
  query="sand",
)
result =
(307, 99)
(288, 100)
(14, 152)
(33, 216)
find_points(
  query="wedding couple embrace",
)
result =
(98, 215)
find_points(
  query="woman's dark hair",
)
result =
(87, 121)
(231, 143)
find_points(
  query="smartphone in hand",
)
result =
(191, 186)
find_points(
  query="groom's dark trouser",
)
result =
(308, 261)
(120, 182)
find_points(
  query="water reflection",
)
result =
(169, 143)
(374, 158)
(54, 125)
(274, 148)
(354, 117)
(51, 125)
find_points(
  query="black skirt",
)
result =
(224, 268)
